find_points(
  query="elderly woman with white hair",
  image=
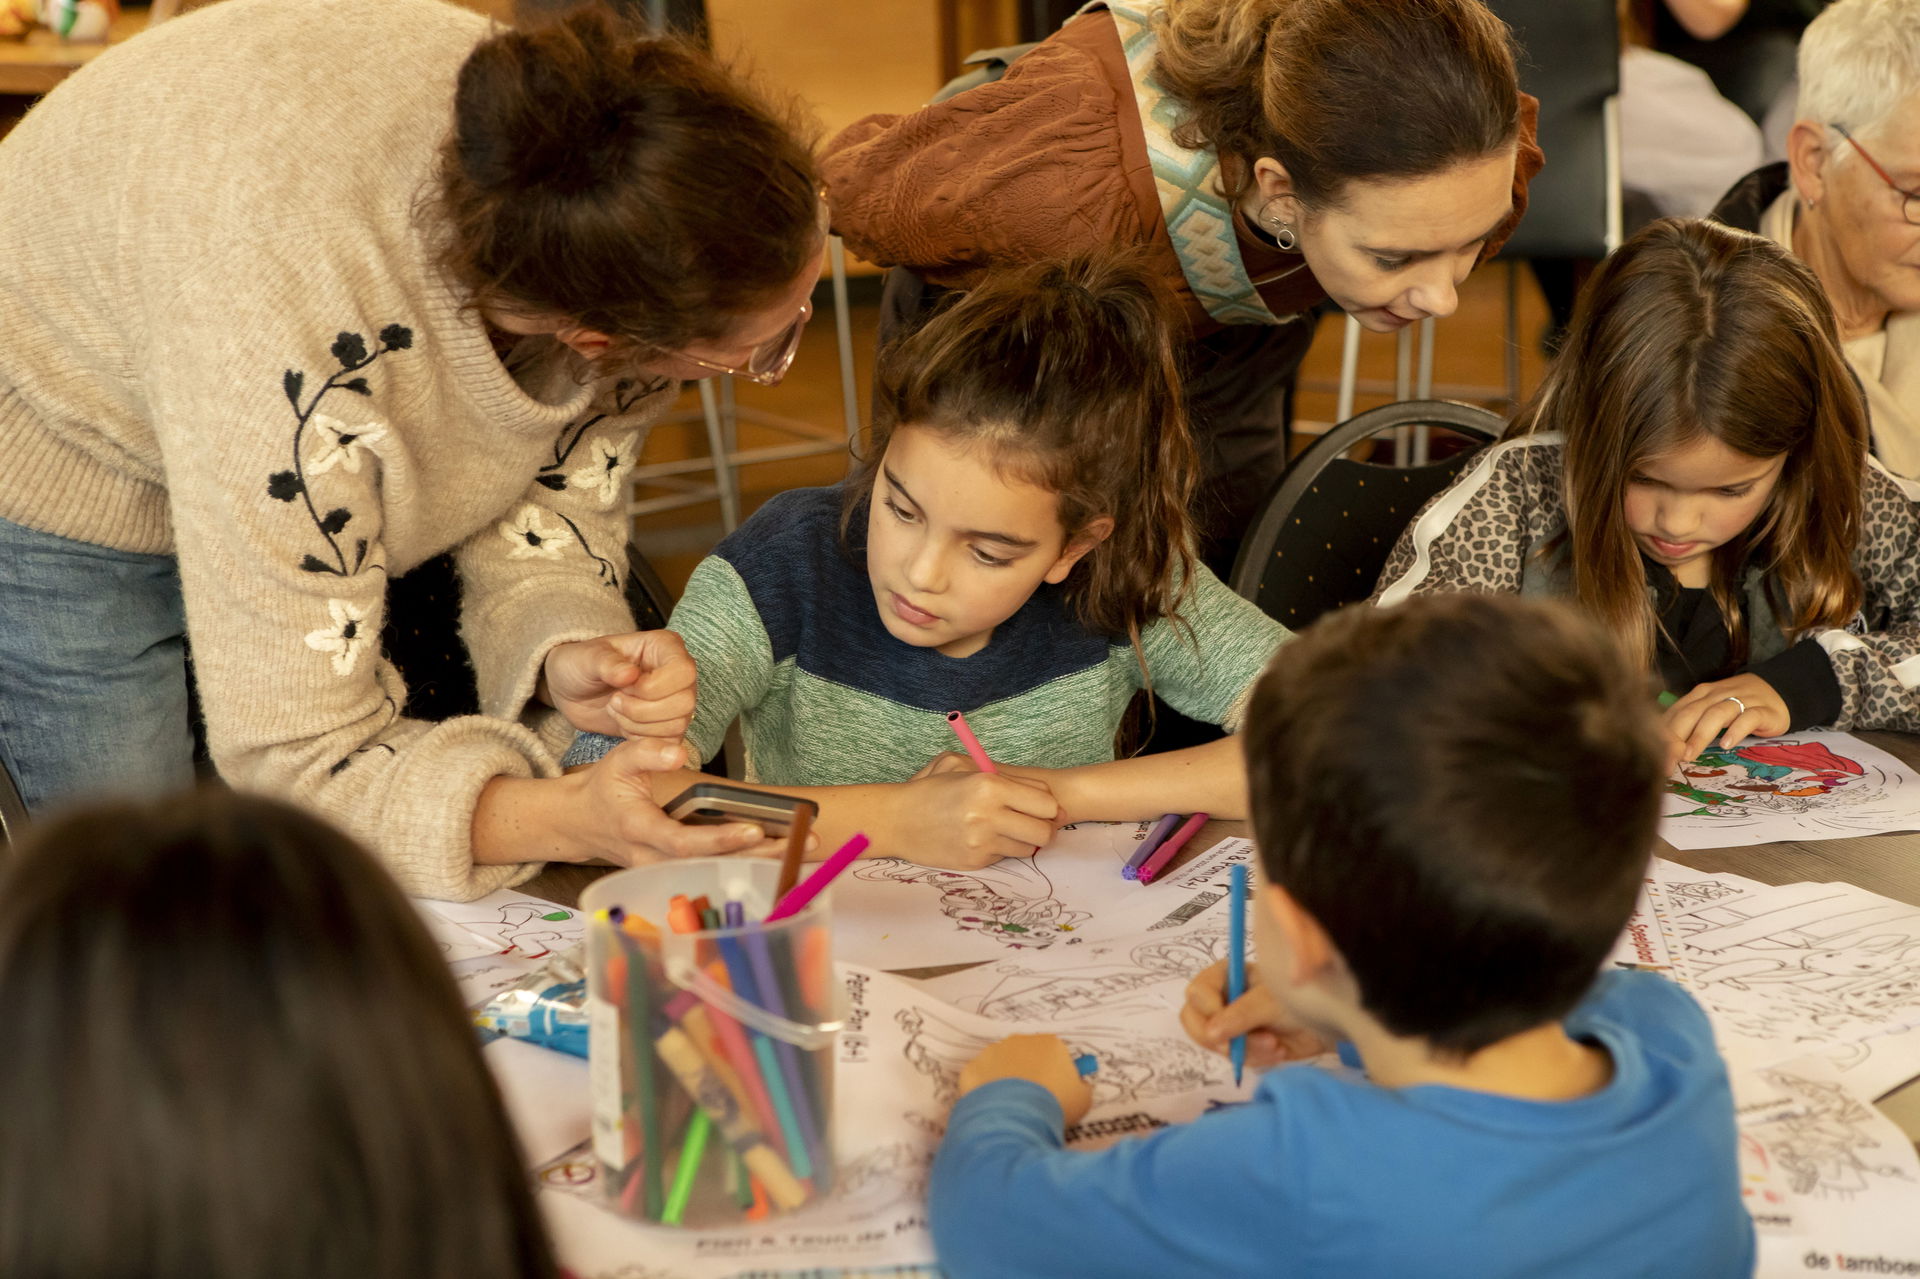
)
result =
(1847, 202)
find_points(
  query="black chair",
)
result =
(1326, 530)
(422, 634)
(13, 810)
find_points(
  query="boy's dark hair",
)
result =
(1463, 790)
(232, 1050)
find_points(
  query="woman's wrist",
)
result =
(529, 819)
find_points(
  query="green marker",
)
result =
(1666, 700)
(690, 1152)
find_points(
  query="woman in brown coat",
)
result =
(1278, 154)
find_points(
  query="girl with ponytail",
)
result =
(1014, 543)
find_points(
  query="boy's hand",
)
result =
(964, 820)
(635, 685)
(1726, 710)
(1272, 1037)
(1042, 1059)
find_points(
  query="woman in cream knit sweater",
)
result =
(301, 293)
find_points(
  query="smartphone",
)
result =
(716, 804)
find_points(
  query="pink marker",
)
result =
(815, 884)
(1167, 851)
(977, 753)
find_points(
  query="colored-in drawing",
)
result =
(1134, 1067)
(1012, 901)
(1809, 786)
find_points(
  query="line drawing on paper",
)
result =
(1829, 963)
(1109, 981)
(1827, 1147)
(1012, 901)
(531, 929)
(1133, 1067)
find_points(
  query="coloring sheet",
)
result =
(515, 933)
(898, 1064)
(1813, 785)
(1833, 1184)
(1140, 974)
(896, 914)
(1667, 888)
(1800, 969)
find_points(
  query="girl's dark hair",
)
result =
(1067, 371)
(1693, 330)
(233, 1051)
(1507, 834)
(629, 183)
(1338, 90)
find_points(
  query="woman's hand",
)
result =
(636, 685)
(1272, 1036)
(964, 820)
(1042, 1059)
(615, 819)
(1711, 710)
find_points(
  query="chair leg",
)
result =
(1513, 336)
(843, 333)
(717, 451)
(1349, 371)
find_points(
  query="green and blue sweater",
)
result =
(782, 623)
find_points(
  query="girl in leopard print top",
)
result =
(1694, 473)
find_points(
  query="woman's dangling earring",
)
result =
(1282, 229)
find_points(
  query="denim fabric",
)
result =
(93, 676)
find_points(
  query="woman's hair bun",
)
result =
(557, 105)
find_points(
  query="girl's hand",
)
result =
(966, 820)
(1272, 1036)
(1710, 711)
(616, 819)
(636, 685)
(1042, 1059)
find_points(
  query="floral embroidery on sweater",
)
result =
(344, 638)
(339, 445)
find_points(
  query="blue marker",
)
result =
(1237, 959)
(1086, 1064)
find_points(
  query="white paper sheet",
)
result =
(1669, 887)
(1813, 785)
(1833, 1185)
(895, 914)
(546, 1096)
(898, 1062)
(1799, 969)
(515, 934)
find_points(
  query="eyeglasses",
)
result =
(1910, 200)
(770, 360)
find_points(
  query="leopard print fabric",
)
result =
(1481, 534)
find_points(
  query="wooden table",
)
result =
(1885, 864)
(42, 60)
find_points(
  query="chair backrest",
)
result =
(422, 633)
(1325, 531)
(983, 66)
(1570, 60)
(13, 810)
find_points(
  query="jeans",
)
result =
(93, 673)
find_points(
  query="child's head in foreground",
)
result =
(1031, 432)
(1454, 801)
(234, 1051)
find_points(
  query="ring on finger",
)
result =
(1736, 701)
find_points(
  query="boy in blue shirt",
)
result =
(1454, 801)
